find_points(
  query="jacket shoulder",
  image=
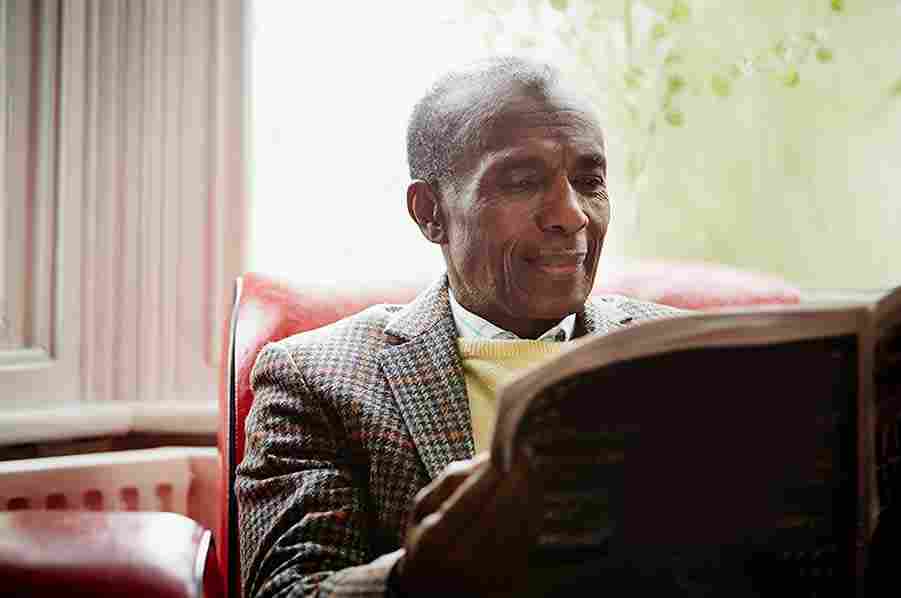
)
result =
(636, 309)
(354, 339)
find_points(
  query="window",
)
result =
(32, 347)
(332, 86)
(759, 138)
(122, 207)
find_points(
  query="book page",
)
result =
(747, 327)
(887, 358)
(725, 469)
(887, 397)
(888, 309)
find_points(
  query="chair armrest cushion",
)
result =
(80, 553)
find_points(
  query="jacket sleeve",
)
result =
(302, 501)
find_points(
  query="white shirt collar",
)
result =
(472, 326)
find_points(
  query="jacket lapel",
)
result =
(601, 316)
(426, 377)
(425, 374)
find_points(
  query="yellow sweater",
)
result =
(488, 364)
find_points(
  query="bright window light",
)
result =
(332, 87)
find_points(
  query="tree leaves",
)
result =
(675, 117)
(658, 31)
(680, 12)
(824, 55)
(634, 77)
(895, 90)
(721, 85)
(675, 84)
(791, 78)
(559, 5)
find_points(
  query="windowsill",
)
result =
(85, 420)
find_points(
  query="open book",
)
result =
(746, 452)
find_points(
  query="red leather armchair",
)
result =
(110, 554)
(87, 554)
(265, 309)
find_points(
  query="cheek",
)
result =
(495, 249)
(599, 219)
(476, 251)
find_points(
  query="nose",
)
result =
(561, 211)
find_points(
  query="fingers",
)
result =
(474, 528)
(429, 534)
(468, 500)
(507, 516)
(443, 527)
(503, 532)
(430, 498)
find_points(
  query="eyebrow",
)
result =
(515, 158)
(592, 161)
(508, 163)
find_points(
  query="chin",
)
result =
(551, 298)
(556, 307)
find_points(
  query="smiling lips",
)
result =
(559, 262)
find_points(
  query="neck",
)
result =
(524, 328)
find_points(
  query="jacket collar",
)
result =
(429, 308)
(425, 373)
(432, 306)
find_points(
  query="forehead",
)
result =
(524, 122)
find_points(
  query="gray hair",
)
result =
(446, 123)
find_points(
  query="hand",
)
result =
(471, 531)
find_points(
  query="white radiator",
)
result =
(175, 479)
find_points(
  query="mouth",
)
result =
(558, 263)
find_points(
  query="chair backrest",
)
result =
(266, 309)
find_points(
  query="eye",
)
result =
(589, 184)
(522, 179)
(523, 185)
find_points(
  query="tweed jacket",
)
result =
(348, 423)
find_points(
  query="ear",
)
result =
(424, 207)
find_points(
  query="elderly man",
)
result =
(349, 485)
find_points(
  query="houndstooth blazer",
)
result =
(349, 422)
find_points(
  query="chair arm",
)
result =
(83, 553)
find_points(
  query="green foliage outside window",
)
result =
(764, 134)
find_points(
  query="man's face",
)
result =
(525, 226)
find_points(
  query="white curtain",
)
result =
(124, 212)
